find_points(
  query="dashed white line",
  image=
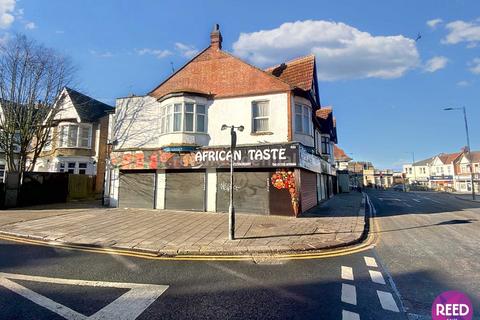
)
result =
(376, 276)
(371, 262)
(416, 200)
(349, 294)
(387, 301)
(347, 273)
(348, 315)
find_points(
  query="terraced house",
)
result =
(169, 151)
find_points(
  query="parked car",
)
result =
(398, 187)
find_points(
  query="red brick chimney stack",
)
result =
(216, 37)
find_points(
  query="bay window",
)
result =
(303, 119)
(182, 117)
(75, 136)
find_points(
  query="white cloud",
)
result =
(462, 31)
(434, 22)
(105, 54)
(475, 66)
(188, 51)
(342, 51)
(435, 63)
(463, 83)
(6, 13)
(159, 53)
(30, 26)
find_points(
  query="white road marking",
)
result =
(431, 200)
(387, 301)
(347, 315)
(371, 262)
(347, 273)
(376, 276)
(45, 302)
(127, 307)
(349, 294)
(416, 200)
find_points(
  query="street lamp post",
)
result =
(231, 208)
(468, 146)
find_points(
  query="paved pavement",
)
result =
(338, 222)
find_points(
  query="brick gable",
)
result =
(218, 73)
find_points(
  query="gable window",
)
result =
(260, 116)
(303, 119)
(182, 117)
(75, 136)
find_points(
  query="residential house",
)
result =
(463, 176)
(170, 152)
(341, 158)
(78, 142)
(442, 171)
(419, 172)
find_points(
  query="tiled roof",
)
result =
(339, 154)
(448, 158)
(324, 112)
(298, 73)
(424, 162)
(88, 109)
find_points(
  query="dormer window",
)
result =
(183, 117)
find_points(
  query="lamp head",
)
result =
(224, 126)
(241, 128)
(447, 109)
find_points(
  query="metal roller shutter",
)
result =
(308, 182)
(137, 190)
(185, 191)
(250, 192)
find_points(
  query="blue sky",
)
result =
(387, 90)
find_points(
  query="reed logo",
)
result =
(452, 305)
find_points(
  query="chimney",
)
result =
(216, 37)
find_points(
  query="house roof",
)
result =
(220, 74)
(424, 162)
(88, 109)
(339, 154)
(448, 158)
(324, 112)
(298, 72)
(475, 155)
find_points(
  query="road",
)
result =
(427, 243)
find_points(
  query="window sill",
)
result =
(261, 133)
(182, 132)
(84, 148)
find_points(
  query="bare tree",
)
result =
(31, 78)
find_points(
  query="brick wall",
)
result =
(102, 154)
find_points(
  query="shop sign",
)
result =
(262, 156)
(437, 178)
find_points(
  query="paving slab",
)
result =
(337, 222)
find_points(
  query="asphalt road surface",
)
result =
(428, 243)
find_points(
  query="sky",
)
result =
(387, 87)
